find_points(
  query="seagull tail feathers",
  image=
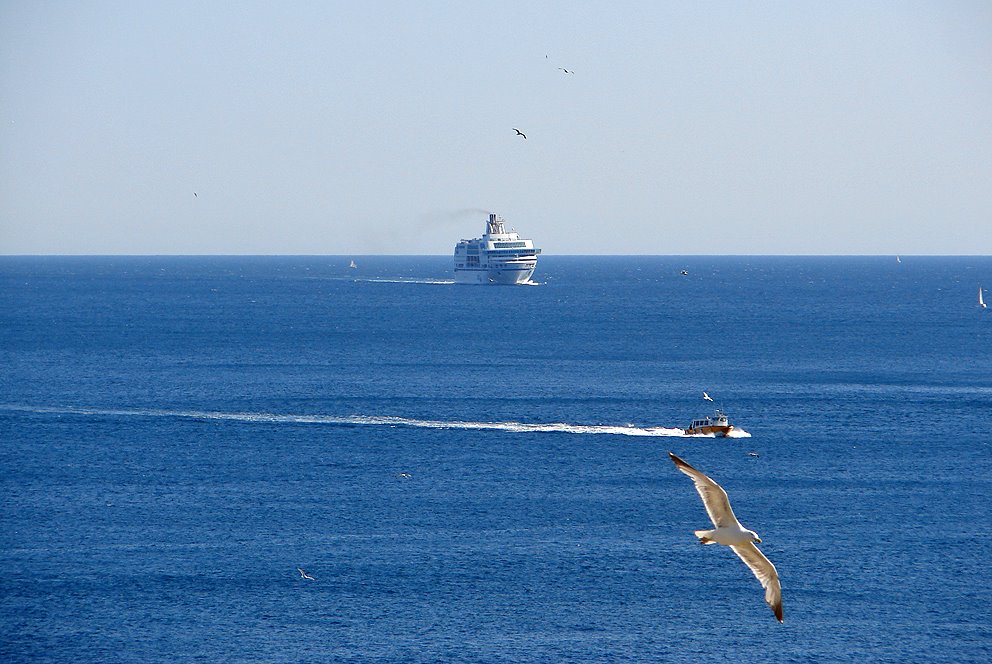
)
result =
(705, 536)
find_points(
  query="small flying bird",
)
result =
(707, 397)
(566, 70)
(304, 575)
(519, 133)
(194, 195)
(730, 532)
(684, 273)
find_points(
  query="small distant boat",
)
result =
(898, 260)
(353, 266)
(981, 302)
(717, 424)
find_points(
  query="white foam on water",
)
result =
(736, 433)
(376, 420)
(401, 280)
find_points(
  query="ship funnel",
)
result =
(495, 226)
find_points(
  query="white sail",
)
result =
(981, 302)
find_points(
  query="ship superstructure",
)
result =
(498, 257)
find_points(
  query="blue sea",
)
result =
(480, 474)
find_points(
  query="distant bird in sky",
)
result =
(567, 71)
(684, 273)
(304, 575)
(519, 133)
(707, 397)
(194, 195)
(730, 532)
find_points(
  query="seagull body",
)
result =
(304, 575)
(519, 133)
(707, 397)
(730, 532)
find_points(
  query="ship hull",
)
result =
(719, 432)
(505, 276)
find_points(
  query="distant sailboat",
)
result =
(981, 302)
(353, 266)
(898, 260)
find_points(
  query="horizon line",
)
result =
(543, 255)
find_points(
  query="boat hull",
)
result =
(506, 275)
(718, 431)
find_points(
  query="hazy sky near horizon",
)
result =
(387, 127)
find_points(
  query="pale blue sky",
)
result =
(386, 127)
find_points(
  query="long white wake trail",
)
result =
(371, 420)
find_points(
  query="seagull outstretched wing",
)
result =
(715, 499)
(766, 574)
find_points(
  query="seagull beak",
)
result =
(758, 540)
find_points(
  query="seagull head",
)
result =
(754, 536)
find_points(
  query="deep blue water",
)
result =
(178, 435)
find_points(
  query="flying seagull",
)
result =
(707, 397)
(519, 133)
(684, 273)
(730, 532)
(304, 575)
(566, 70)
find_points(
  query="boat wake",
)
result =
(374, 420)
(401, 280)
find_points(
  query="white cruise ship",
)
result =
(497, 257)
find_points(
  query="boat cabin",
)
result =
(717, 420)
